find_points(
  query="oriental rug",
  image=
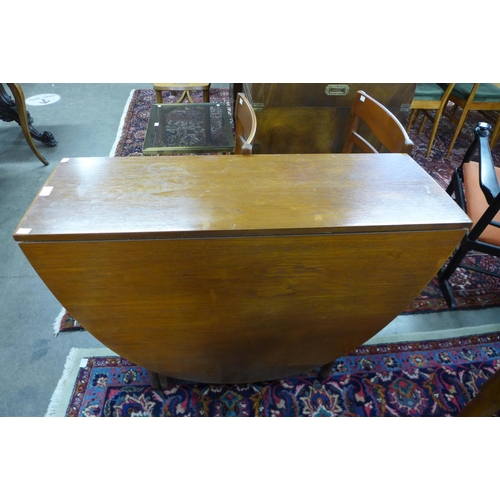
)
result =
(472, 290)
(409, 379)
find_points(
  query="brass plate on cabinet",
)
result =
(335, 89)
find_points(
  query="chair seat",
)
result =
(476, 202)
(428, 92)
(487, 92)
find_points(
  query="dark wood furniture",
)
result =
(380, 122)
(313, 117)
(475, 186)
(238, 268)
(15, 110)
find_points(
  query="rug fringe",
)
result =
(57, 322)
(56, 396)
(122, 122)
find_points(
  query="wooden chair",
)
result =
(429, 96)
(474, 97)
(245, 125)
(16, 111)
(185, 88)
(475, 186)
(381, 122)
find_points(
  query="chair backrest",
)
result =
(381, 122)
(245, 125)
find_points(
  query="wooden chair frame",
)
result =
(491, 189)
(23, 118)
(470, 105)
(425, 106)
(185, 88)
(245, 125)
(382, 123)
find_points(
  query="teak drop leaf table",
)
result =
(233, 269)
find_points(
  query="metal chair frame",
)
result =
(490, 187)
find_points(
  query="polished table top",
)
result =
(188, 128)
(234, 195)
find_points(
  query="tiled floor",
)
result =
(84, 122)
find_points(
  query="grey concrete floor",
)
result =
(85, 123)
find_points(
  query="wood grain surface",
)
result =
(200, 196)
(238, 269)
(240, 309)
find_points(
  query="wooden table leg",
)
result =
(153, 378)
(158, 381)
(325, 370)
(163, 381)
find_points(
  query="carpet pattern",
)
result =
(409, 379)
(472, 290)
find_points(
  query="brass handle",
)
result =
(336, 89)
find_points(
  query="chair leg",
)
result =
(447, 292)
(446, 272)
(460, 125)
(424, 120)
(413, 115)
(437, 118)
(23, 120)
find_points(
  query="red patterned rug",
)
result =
(409, 379)
(472, 290)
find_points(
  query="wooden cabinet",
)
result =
(312, 117)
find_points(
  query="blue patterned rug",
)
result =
(427, 378)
